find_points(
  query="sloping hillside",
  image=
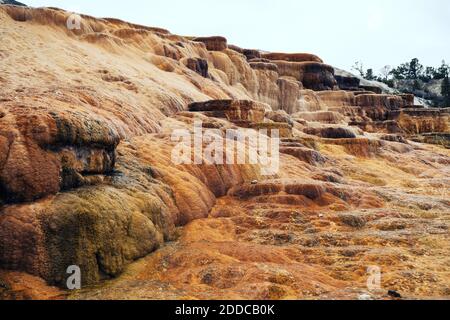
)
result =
(87, 176)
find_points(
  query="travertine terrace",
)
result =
(86, 176)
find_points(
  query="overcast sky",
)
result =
(377, 32)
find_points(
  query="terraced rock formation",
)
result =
(87, 176)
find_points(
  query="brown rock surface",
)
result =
(290, 94)
(250, 54)
(87, 176)
(279, 116)
(377, 100)
(347, 83)
(408, 99)
(334, 99)
(46, 151)
(20, 286)
(331, 132)
(198, 65)
(284, 130)
(140, 206)
(213, 43)
(264, 66)
(314, 75)
(232, 110)
(292, 57)
(320, 116)
(309, 156)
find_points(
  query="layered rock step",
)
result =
(249, 54)
(216, 43)
(390, 102)
(197, 65)
(244, 113)
(236, 111)
(313, 75)
(408, 99)
(331, 132)
(284, 130)
(442, 139)
(422, 121)
(302, 193)
(349, 82)
(404, 120)
(292, 57)
(320, 116)
(386, 113)
(302, 153)
(307, 69)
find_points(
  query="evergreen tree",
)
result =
(401, 72)
(415, 69)
(369, 75)
(429, 74)
(445, 91)
(443, 71)
(417, 85)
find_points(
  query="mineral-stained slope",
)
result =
(87, 179)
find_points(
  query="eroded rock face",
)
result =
(213, 43)
(408, 99)
(360, 147)
(235, 111)
(279, 116)
(314, 75)
(372, 89)
(77, 229)
(87, 175)
(264, 66)
(307, 155)
(394, 138)
(289, 98)
(103, 228)
(283, 130)
(377, 100)
(250, 54)
(331, 132)
(337, 99)
(419, 121)
(198, 65)
(22, 286)
(44, 153)
(347, 83)
(292, 57)
(442, 139)
(320, 116)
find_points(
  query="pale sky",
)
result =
(377, 32)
